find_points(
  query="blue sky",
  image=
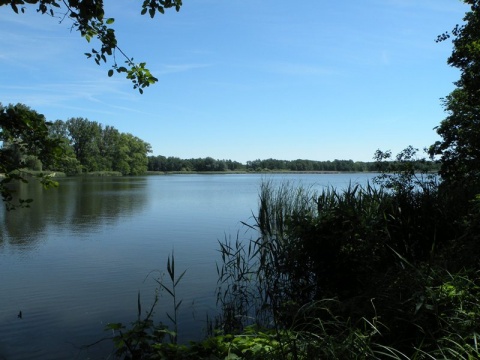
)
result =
(246, 80)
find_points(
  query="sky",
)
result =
(247, 79)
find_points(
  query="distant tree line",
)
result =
(166, 164)
(310, 165)
(172, 163)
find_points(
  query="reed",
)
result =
(145, 338)
(329, 266)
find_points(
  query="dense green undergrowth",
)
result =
(385, 271)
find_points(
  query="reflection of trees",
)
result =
(77, 205)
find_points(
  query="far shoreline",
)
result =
(255, 172)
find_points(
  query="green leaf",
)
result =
(110, 73)
(110, 21)
(152, 80)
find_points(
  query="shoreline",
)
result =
(254, 172)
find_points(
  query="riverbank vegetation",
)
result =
(386, 271)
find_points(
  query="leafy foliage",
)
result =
(459, 149)
(368, 267)
(91, 147)
(26, 143)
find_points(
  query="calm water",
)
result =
(78, 257)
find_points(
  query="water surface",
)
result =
(77, 258)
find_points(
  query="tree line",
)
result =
(74, 146)
(172, 163)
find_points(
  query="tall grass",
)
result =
(360, 271)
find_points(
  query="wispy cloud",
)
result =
(177, 68)
(63, 94)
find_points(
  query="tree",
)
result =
(25, 140)
(136, 154)
(68, 162)
(459, 149)
(88, 17)
(92, 147)
(85, 137)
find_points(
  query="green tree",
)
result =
(157, 163)
(68, 162)
(88, 18)
(25, 141)
(459, 149)
(135, 155)
(99, 148)
(85, 137)
(110, 147)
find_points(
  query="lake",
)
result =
(77, 258)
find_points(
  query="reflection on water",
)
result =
(78, 205)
